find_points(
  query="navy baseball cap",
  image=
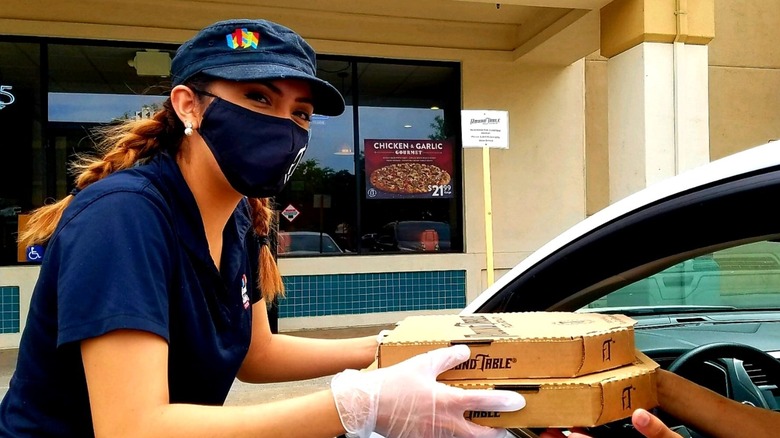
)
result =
(254, 50)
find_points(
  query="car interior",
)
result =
(699, 272)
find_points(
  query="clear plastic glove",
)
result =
(405, 400)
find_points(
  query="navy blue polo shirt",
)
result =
(130, 252)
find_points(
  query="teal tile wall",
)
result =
(9, 309)
(342, 294)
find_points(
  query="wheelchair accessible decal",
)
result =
(35, 253)
(6, 98)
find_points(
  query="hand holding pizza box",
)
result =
(574, 369)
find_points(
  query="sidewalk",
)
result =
(240, 393)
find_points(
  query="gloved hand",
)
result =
(405, 400)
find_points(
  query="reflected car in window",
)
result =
(303, 243)
(404, 236)
(694, 259)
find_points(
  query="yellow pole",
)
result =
(488, 214)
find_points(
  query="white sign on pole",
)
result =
(485, 129)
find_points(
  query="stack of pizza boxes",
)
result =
(574, 369)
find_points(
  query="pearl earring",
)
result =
(188, 129)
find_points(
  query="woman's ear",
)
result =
(186, 104)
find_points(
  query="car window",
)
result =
(743, 277)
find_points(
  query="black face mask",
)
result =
(257, 153)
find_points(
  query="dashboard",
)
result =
(665, 338)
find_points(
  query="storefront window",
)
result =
(405, 196)
(89, 86)
(53, 96)
(411, 200)
(21, 148)
(320, 198)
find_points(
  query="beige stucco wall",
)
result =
(626, 23)
(744, 75)
(744, 89)
(596, 134)
(538, 183)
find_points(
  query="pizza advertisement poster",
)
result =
(403, 169)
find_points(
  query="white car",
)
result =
(695, 259)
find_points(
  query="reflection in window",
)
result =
(411, 112)
(22, 175)
(745, 277)
(91, 85)
(411, 177)
(321, 193)
(101, 108)
(306, 243)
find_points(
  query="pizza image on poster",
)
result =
(402, 169)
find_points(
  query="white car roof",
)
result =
(750, 160)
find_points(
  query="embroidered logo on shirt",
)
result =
(242, 38)
(244, 294)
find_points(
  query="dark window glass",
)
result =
(53, 95)
(320, 196)
(93, 85)
(22, 170)
(409, 145)
(411, 112)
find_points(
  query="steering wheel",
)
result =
(743, 389)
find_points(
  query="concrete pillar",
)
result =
(657, 89)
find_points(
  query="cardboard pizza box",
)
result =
(517, 345)
(585, 401)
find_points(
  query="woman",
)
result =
(145, 312)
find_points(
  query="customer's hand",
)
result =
(644, 422)
(405, 400)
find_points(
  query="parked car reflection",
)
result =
(302, 243)
(420, 236)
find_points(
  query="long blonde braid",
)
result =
(122, 145)
(263, 221)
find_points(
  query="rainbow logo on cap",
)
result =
(242, 38)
